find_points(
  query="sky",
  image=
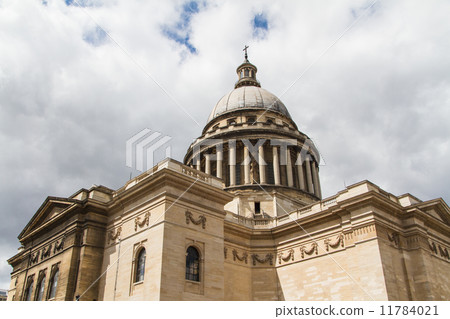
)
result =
(367, 81)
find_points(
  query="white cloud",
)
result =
(376, 103)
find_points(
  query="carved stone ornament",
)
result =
(200, 220)
(289, 256)
(225, 251)
(236, 256)
(268, 258)
(309, 251)
(59, 245)
(395, 238)
(443, 252)
(46, 252)
(144, 222)
(34, 258)
(339, 240)
(112, 236)
(433, 247)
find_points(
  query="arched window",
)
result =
(40, 289)
(251, 119)
(29, 290)
(192, 264)
(140, 266)
(53, 284)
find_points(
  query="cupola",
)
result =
(246, 73)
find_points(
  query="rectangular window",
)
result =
(257, 208)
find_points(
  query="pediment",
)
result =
(55, 210)
(437, 209)
(433, 213)
(50, 209)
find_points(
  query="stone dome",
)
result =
(248, 97)
(251, 140)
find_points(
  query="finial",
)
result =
(245, 49)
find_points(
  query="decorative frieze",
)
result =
(412, 242)
(46, 252)
(444, 252)
(364, 230)
(113, 235)
(289, 256)
(34, 257)
(433, 247)
(200, 220)
(256, 258)
(144, 222)
(339, 240)
(59, 245)
(310, 250)
(236, 256)
(439, 250)
(348, 236)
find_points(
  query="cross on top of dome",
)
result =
(246, 73)
(246, 55)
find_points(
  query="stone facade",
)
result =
(242, 219)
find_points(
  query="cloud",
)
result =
(81, 3)
(96, 36)
(180, 31)
(260, 25)
(376, 104)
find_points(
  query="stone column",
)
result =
(262, 166)
(308, 175)
(276, 166)
(247, 178)
(199, 162)
(315, 170)
(208, 164)
(301, 177)
(232, 164)
(219, 160)
(290, 176)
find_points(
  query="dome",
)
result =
(248, 97)
(283, 158)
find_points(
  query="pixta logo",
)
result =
(146, 147)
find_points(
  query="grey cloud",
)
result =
(376, 104)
